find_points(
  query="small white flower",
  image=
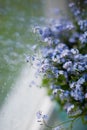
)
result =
(75, 51)
(70, 108)
(86, 96)
(55, 91)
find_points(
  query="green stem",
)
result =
(62, 123)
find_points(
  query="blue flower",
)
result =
(58, 128)
(83, 37)
(39, 115)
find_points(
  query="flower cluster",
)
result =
(64, 60)
(41, 118)
(65, 71)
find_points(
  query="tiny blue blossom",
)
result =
(28, 58)
(74, 51)
(83, 37)
(81, 80)
(58, 128)
(55, 91)
(71, 4)
(83, 24)
(45, 117)
(39, 115)
(67, 65)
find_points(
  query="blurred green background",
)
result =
(16, 20)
